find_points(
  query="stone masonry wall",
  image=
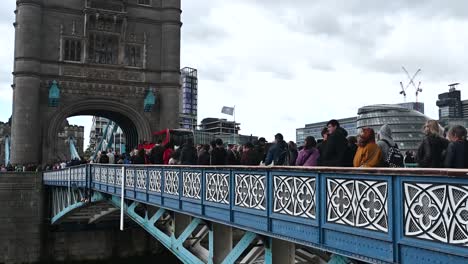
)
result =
(20, 217)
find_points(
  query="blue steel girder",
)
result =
(65, 202)
(373, 215)
(176, 245)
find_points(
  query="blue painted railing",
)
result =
(385, 215)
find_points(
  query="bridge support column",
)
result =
(282, 252)
(181, 221)
(222, 242)
(26, 126)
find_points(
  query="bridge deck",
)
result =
(378, 215)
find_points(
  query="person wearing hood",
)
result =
(335, 153)
(368, 153)
(385, 139)
(309, 155)
(386, 142)
(278, 153)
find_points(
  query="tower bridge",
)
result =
(376, 216)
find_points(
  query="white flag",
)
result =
(228, 110)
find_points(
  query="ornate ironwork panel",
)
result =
(294, 196)
(118, 177)
(217, 187)
(104, 175)
(171, 182)
(358, 203)
(191, 185)
(141, 179)
(436, 212)
(82, 174)
(97, 174)
(250, 191)
(111, 175)
(130, 177)
(155, 180)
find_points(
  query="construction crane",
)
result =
(417, 88)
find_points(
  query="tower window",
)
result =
(103, 48)
(133, 55)
(72, 50)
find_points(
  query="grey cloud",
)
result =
(277, 69)
(7, 14)
(196, 24)
(202, 32)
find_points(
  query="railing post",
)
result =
(69, 187)
(122, 193)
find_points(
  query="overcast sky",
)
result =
(287, 63)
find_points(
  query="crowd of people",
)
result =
(337, 149)
(438, 149)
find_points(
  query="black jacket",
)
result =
(250, 158)
(431, 152)
(457, 155)
(292, 156)
(203, 158)
(218, 156)
(104, 159)
(335, 152)
(156, 155)
(232, 158)
(188, 155)
(137, 159)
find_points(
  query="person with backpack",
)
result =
(278, 153)
(368, 153)
(391, 155)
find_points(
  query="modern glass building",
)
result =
(189, 98)
(406, 124)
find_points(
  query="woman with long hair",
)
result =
(431, 151)
(368, 153)
(309, 155)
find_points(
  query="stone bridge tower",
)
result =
(118, 59)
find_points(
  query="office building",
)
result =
(189, 98)
(452, 110)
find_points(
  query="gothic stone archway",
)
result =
(105, 55)
(135, 126)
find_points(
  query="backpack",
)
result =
(394, 158)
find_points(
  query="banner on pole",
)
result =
(227, 110)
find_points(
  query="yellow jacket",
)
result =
(368, 156)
